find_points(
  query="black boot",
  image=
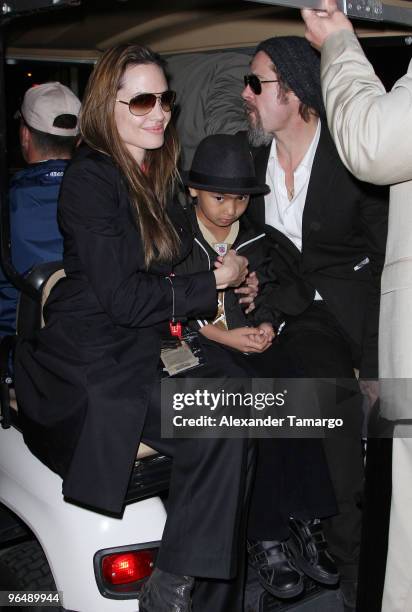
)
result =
(275, 568)
(308, 547)
(164, 592)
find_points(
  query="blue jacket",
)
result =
(35, 236)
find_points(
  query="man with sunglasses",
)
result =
(328, 233)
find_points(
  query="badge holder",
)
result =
(182, 354)
(182, 350)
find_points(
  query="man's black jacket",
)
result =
(344, 230)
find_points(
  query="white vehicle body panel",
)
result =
(70, 535)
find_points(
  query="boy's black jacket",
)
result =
(253, 245)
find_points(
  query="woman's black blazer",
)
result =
(84, 384)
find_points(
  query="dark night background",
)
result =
(389, 55)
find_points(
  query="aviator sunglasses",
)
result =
(255, 83)
(143, 103)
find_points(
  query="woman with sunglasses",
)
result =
(88, 385)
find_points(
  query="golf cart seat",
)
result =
(30, 318)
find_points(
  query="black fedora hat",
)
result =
(223, 163)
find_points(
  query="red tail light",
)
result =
(128, 567)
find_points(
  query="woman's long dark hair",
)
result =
(151, 189)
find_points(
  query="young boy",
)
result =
(221, 181)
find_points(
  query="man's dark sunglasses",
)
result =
(143, 103)
(255, 83)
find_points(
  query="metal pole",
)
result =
(371, 10)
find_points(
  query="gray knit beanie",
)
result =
(298, 65)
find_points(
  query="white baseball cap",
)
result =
(43, 103)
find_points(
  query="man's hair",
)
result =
(305, 111)
(52, 146)
(297, 66)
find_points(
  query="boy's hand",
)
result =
(249, 290)
(268, 330)
(247, 340)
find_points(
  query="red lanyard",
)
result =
(175, 329)
(174, 326)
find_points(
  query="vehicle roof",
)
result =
(82, 33)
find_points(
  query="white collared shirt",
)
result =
(281, 213)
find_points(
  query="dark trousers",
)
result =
(291, 476)
(204, 535)
(321, 349)
(375, 525)
(292, 479)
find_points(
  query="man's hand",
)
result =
(249, 290)
(321, 24)
(247, 340)
(370, 389)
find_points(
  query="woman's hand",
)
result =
(231, 270)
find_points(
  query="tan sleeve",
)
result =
(372, 129)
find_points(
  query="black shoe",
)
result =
(164, 592)
(308, 547)
(275, 568)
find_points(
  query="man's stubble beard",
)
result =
(256, 134)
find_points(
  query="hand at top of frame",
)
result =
(321, 24)
(231, 270)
